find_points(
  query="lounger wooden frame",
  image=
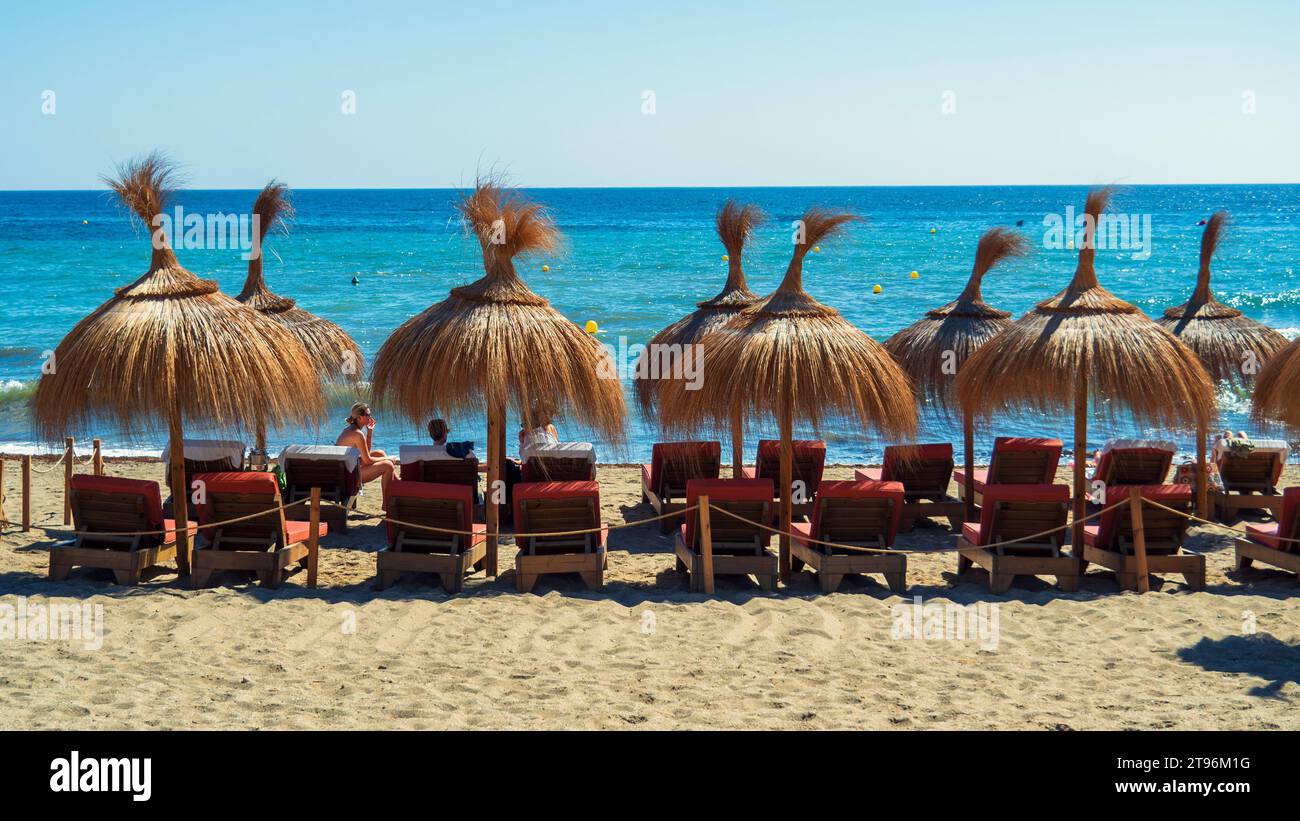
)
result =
(331, 476)
(583, 554)
(1016, 519)
(739, 549)
(449, 556)
(841, 516)
(1164, 534)
(127, 556)
(258, 545)
(670, 496)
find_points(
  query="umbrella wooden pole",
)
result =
(1202, 478)
(496, 424)
(969, 490)
(180, 494)
(737, 444)
(787, 477)
(67, 481)
(1080, 466)
(1139, 539)
(260, 439)
(27, 493)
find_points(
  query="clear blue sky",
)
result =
(746, 93)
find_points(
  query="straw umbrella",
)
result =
(794, 357)
(1086, 338)
(734, 223)
(494, 344)
(334, 354)
(1277, 388)
(1231, 346)
(171, 348)
(933, 349)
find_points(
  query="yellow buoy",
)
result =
(592, 327)
(877, 290)
(817, 249)
(915, 275)
(931, 230)
(545, 268)
(726, 258)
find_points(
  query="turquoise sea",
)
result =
(637, 259)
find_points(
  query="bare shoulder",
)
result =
(350, 438)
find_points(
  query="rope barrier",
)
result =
(927, 551)
(51, 468)
(1220, 525)
(194, 525)
(552, 534)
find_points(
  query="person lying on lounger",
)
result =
(360, 434)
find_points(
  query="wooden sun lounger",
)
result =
(337, 484)
(1109, 541)
(925, 471)
(110, 504)
(450, 556)
(808, 463)
(1263, 542)
(862, 514)
(672, 465)
(739, 549)
(553, 507)
(265, 545)
(1249, 483)
(1013, 512)
(1016, 460)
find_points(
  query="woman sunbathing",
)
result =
(360, 434)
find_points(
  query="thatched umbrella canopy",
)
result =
(334, 354)
(1277, 388)
(1232, 346)
(1082, 338)
(793, 357)
(734, 223)
(933, 349)
(494, 344)
(171, 348)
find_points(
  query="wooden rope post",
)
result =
(1139, 539)
(968, 445)
(67, 481)
(313, 538)
(706, 545)
(1202, 474)
(97, 461)
(27, 493)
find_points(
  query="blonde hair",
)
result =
(358, 410)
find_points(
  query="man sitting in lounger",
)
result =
(360, 434)
(438, 431)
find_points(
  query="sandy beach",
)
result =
(645, 653)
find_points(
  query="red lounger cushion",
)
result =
(980, 533)
(684, 451)
(1104, 532)
(134, 487)
(170, 526)
(1102, 471)
(803, 448)
(558, 490)
(731, 490)
(1052, 448)
(1267, 535)
(981, 478)
(855, 490)
(250, 482)
(410, 489)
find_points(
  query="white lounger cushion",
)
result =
(1261, 445)
(211, 450)
(563, 450)
(410, 454)
(1143, 444)
(322, 453)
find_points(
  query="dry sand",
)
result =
(645, 652)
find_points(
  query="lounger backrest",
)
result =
(445, 506)
(1020, 460)
(1257, 470)
(1134, 466)
(673, 464)
(551, 507)
(1160, 528)
(1017, 511)
(808, 462)
(208, 456)
(750, 499)
(111, 504)
(1289, 522)
(236, 495)
(442, 471)
(923, 469)
(858, 512)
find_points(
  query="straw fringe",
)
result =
(1127, 359)
(495, 343)
(171, 340)
(1277, 388)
